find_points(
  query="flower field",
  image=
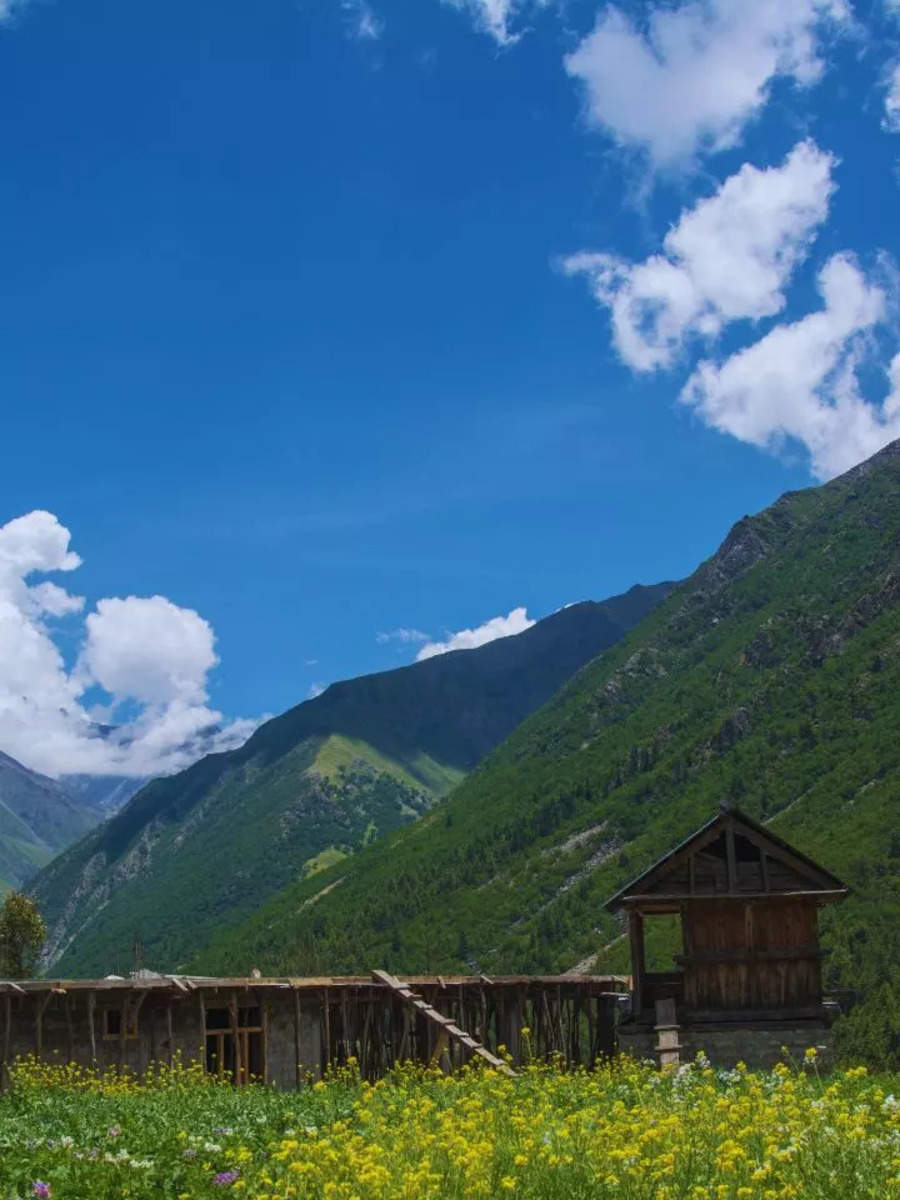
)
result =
(623, 1131)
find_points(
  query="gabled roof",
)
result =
(793, 871)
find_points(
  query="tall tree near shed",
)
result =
(22, 936)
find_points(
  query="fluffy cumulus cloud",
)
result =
(800, 381)
(142, 668)
(467, 639)
(498, 18)
(693, 76)
(149, 649)
(728, 257)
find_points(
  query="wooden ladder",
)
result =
(446, 1025)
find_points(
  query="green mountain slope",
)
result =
(197, 852)
(771, 679)
(38, 818)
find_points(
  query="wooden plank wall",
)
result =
(759, 956)
(378, 1030)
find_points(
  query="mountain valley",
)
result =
(198, 852)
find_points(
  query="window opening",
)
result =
(220, 1057)
(112, 1025)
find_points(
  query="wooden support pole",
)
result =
(70, 1033)
(202, 1002)
(327, 1014)
(368, 1056)
(345, 1025)
(154, 1037)
(92, 1030)
(42, 1002)
(141, 997)
(7, 1036)
(297, 1032)
(170, 1035)
(264, 1038)
(764, 869)
(636, 937)
(236, 1040)
(123, 1032)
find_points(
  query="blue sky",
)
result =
(324, 320)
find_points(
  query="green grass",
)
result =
(338, 753)
(322, 861)
(439, 778)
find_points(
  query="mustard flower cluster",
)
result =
(623, 1131)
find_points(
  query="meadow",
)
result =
(622, 1131)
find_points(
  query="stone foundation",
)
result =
(759, 1045)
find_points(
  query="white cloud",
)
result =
(728, 257)
(362, 22)
(695, 75)
(404, 636)
(496, 17)
(148, 657)
(467, 639)
(891, 120)
(800, 380)
(315, 689)
(149, 649)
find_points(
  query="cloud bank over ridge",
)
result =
(516, 621)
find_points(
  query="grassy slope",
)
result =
(338, 753)
(204, 849)
(770, 679)
(38, 818)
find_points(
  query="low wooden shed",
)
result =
(748, 977)
(285, 1031)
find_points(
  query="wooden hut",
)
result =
(748, 978)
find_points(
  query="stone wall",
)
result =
(759, 1045)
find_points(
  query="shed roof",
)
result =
(815, 878)
(143, 981)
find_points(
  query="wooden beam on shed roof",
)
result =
(677, 898)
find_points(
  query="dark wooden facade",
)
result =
(284, 1031)
(748, 906)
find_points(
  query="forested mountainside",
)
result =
(770, 679)
(38, 818)
(198, 852)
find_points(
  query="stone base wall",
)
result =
(759, 1046)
